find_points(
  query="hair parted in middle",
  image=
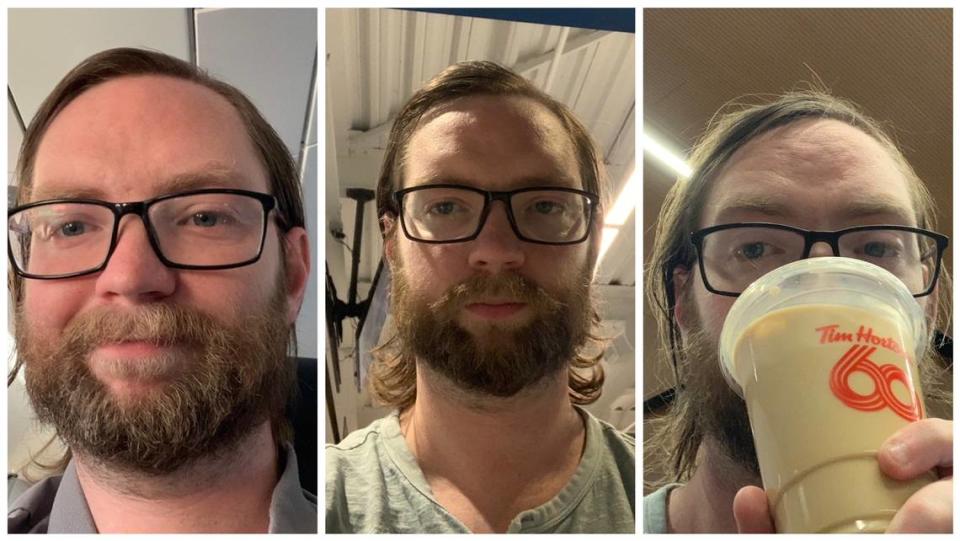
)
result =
(392, 377)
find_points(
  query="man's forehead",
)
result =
(493, 110)
(825, 165)
(152, 134)
(515, 134)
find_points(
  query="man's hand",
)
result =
(913, 450)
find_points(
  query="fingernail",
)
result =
(898, 452)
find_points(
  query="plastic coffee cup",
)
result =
(824, 352)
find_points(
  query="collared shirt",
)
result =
(57, 505)
(374, 484)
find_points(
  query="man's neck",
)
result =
(498, 456)
(705, 503)
(227, 494)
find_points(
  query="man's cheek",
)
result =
(47, 305)
(713, 315)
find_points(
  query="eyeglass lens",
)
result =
(734, 258)
(199, 229)
(446, 214)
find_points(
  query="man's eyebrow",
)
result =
(878, 207)
(217, 177)
(754, 204)
(212, 177)
(882, 206)
(551, 181)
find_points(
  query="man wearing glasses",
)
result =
(160, 260)
(807, 175)
(489, 199)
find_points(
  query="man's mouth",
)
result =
(496, 309)
(133, 366)
(131, 349)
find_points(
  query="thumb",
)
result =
(751, 511)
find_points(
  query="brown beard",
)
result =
(721, 412)
(234, 378)
(496, 360)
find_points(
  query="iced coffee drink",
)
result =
(824, 352)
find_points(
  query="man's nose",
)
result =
(497, 247)
(821, 249)
(134, 271)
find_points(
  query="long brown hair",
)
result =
(393, 377)
(678, 433)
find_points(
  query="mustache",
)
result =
(510, 286)
(159, 324)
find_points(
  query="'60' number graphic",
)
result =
(857, 359)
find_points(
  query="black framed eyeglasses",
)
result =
(199, 229)
(732, 256)
(443, 213)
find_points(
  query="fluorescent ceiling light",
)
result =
(623, 207)
(606, 240)
(666, 156)
(626, 202)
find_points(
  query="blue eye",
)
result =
(443, 208)
(73, 229)
(876, 249)
(207, 219)
(754, 250)
(547, 207)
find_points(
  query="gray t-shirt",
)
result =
(374, 485)
(655, 509)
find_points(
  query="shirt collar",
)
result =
(292, 509)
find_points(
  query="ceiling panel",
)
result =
(45, 43)
(270, 54)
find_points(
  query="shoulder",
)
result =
(611, 457)
(622, 445)
(357, 475)
(30, 511)
(359, 450)
(655, 509)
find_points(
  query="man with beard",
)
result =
(489, 199)
(161, 258)
(815, 163)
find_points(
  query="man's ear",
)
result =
(681, 281)
(388, 222)
(297, 258)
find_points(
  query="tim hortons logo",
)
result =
(857, 359)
